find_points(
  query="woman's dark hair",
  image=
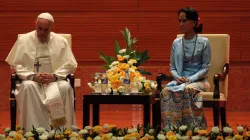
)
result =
(192, 14)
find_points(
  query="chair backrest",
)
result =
(220, 46)
(68, 37)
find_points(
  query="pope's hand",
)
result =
(44, 78)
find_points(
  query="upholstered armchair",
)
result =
(216, 96)
(15, 80)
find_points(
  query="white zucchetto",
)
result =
(47, 16)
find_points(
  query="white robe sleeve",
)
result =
(24, 73)
(69, 66)
(14, 60)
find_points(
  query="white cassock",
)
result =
(41, 105)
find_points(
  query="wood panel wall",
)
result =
(95, 25)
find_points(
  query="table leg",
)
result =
(156, 114)
(86, 112)
(146, 114)
(96, 114)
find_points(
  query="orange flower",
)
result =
(122, 73)
(120, 58)
(20, 131)
(219, 138)
(202, 132)
(135, 134)
(148, 89)
(189, 133)
(144, 138)
(111, 126)
(170, 133)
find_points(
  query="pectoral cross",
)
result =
(37, 65)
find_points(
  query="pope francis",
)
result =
(42, 59)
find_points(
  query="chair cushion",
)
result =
(208, 96)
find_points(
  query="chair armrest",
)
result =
(13, 80)
(220, 77)
(162, 77)
(71, 78)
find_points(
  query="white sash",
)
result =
(54, 101)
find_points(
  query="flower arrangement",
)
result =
(112, 132)
(128, 59)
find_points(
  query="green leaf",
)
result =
(144, 72)
(142, 57)
(117, 47)
(107, 59)
(105, 66)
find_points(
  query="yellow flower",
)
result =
(248, 133)
(67, 132)
(228, 138)
(72, 135)
(146, 85)
(18, 127)
(127, 137)
(31, 138)
(89, 138)
(106, 137)
(135, 134)
(133, 60)
(173, 137)
(134, 67)
(97, 129)
(238, 137)
(123, 66)
(189, 133)
(18, 137)
(9, 138)
(219, 138)
(151, 138)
